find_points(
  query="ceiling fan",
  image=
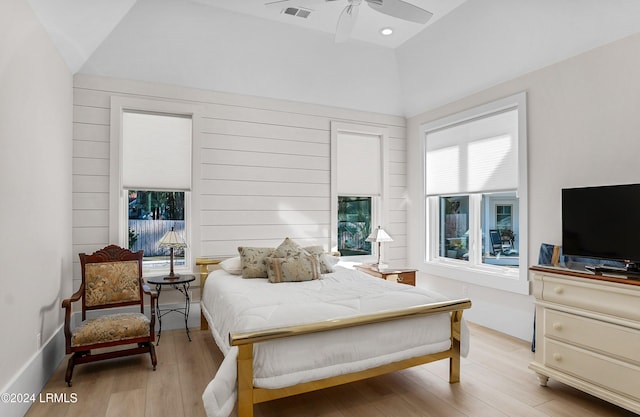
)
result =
(396, 8)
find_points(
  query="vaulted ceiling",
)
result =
(239, 46)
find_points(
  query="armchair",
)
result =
(111, 278)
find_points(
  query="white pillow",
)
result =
(232, 265)
(330, 259)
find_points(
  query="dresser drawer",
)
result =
(580, 293)
(592, 367)
(610, 339)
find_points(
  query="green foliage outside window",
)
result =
(354, 225)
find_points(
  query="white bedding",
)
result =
(231, 303)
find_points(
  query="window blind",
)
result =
(359, 164)
(479, 155)
(156, 151)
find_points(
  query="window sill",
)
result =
(505, 279)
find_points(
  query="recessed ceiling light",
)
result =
(386, 31)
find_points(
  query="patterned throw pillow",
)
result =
(292, 269)
(326, 266)
(288, 248)
(252, 261)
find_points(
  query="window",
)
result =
(475, 195)
(454, 227)
(499, 216)
(151, 214)
(357, 186)
(151, 172)
(504, 216)
(354, 225)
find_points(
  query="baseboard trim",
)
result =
(33, 376)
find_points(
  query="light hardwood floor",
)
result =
(495, 382)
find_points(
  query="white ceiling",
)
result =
(78, 27)
(240, 47)
(324, 17)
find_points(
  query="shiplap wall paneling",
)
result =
(263, 168)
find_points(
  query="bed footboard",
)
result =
(248, 395)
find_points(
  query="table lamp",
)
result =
(378, 235)
(172, 240)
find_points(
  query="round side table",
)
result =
(180, 283)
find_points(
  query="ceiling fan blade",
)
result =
(346, 22)
(401, 9)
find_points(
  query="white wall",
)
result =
(35, 190)
(583, 129)
(262, 168)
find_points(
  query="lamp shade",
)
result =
(172, 239)
(379, 235)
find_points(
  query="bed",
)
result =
(270, 334)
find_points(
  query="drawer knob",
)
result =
(557, 326)
(557, 357)
(558, 290)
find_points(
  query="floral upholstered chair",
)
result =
(111, 278)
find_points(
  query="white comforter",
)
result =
(233, 304)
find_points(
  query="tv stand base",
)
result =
(588, 333)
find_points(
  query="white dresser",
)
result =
(588, 333)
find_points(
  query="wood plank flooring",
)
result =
(495, 382)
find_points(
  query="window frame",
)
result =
(474, 271)
(118, 197)
(379, 210)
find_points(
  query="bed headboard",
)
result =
(205, 265)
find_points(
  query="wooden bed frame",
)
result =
(248, 395)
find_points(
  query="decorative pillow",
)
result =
(292, 269)
(232, 265)
(252, 261)
(288, 248)
(326, 264)
(331, 260)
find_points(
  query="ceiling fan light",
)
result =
(386, 31)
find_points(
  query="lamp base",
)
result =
(172, 277)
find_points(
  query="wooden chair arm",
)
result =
(153, 296)
(66, 304)
(151, 293)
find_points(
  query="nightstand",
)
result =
(400, 275)
(180, 283)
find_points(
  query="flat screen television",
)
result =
(603, 223)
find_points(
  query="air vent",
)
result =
(295, 11)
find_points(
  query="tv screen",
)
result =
(602, 222)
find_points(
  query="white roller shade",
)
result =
(156, 151)
(359, 164)
(474, 156)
